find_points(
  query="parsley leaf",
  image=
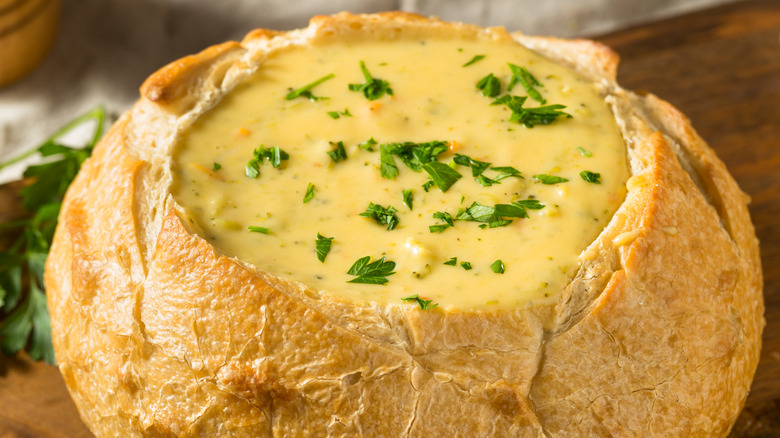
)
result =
(489, 85)
(216, 166)
(591, 177)
(387, 166)
(477, 167)
(408, 198)
(414, 155)
(475, 59)
(530, 117)
(368, 144)
(261, 230)
(338, 114)
(322, 245)
(309, 193)
(424, 304)
(522, 75)
(382, 215)
(442, 175)
(444, 216)
(305, 91)
(496, 216)
(549, 179)
(427, 185)
(506, 172)
(338, 154)
(584, 151)
(369, 272)
(465, 265)
(452, 261)
(373, 88)
(275, 155)
(498, 267)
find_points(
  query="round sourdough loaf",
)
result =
(158, 334)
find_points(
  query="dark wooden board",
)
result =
(721, 67)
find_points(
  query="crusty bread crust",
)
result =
(157, 334)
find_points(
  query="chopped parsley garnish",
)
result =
(530, 117)
(452, 261)
(427, 185)
(216, 166)
(495, 216)
(498, 267)
(522, 75)
(373, 88)
(442, 175)
(424, 304)
(322, 245)
(369, 272)
(549, 179)
(387, 166)
(489, 85)
(465, 265)
(475, 59)
(338, 114)
(305, 91)
(414, 155)
(382, 216)
(477, 167)
(368, 144)
(262, 230)
(275, 155)
(584, 151)
(309, 193)
(338, 154)
(408, 198)
(443, 216)
(506, 172)
(591, 177)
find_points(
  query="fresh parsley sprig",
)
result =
(424, 304)
(490, 86)
(382, 215)
(24, 317)
(373, 88)
(305, 91)
(339, 153)
(524, 77)
(530, 117)
(275, 155)
(369, 272)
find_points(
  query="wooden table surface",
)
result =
(720, 66)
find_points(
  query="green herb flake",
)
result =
(305, 91)
(424, 304)
(387, 166)
(474, 60)
(309, 193)
(408, 198)
(216, 166)
(261, 230)
(452, 261)
(530, 117)
(477, 167)
(498, 267)
(373, 88)
(465, 265)
(275, 155)
(415, 155)
(368, 144)
(382, 215)
(489, 85)
(339, 153)
(338, 114)
(549, 179)
(446, 218)
(369, 272)
(528, 81)
(584, 152)
(442, 175)
(591, 177)
(427, 185)
(322, 244)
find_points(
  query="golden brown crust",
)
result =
(157, 334)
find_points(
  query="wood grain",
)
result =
(721, 67)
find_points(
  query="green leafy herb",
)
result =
(475, 59)
(442, 175)
(498, 267)
(495, 216)
(424, 304)
(522, 75)
(309, 193)
(368, 144)
(591, 177)
(427, 185)
(275, 155)
(452, 261)
(261, 230)
(489, 85)
(408, 198)
(382, 216)
(387, 166)
(549, 179)
(369, 272)
(443, 216)
(414, 155)
(465, 265)
(584, 151)
(338, 114)
(506, 172)
(305, 91)
(24, 318)
(216, 166)
(338, 154)
(530, 117)
(322, 244)
(477, 167)
(373, 88)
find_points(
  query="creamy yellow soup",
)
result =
(565, 172)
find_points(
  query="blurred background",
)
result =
(104, 49)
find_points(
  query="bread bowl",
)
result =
(160, 332)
